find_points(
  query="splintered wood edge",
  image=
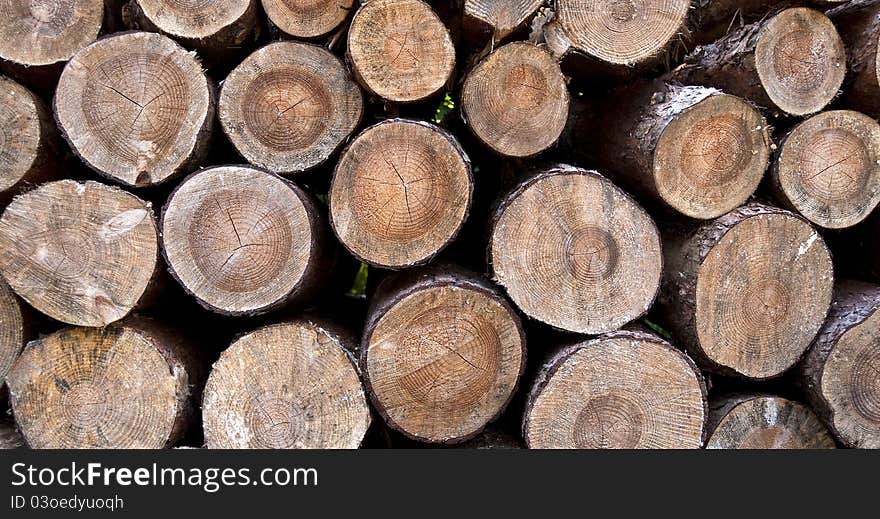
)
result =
(312, 20)
(81, 253)
(78, 23)
(767, 422)
(290, 385)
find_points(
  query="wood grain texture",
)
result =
(28, 139)
(307, 18)
(54, 30)
(764, 422)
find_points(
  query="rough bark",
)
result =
(289, 106)
(792, 64)
(81, 253)
(744, 421)
(695, 149)
(400, 50)
(307, 19)
(132, 385)
(400, 193)
(747, 292)
(290, 385)
(574, 251)
(442, 353)
(839, 374)
(516, 100)
(858, 23)
(136, 107)
(828, 168)
(621, 390)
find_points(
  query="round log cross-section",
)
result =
(307, 18)
(516, 100)
(828, 168)
(44, 32)
(289, 106)
(442, 353)
(291, 385)
(622, 390)
(400, 193)
(400, 50)
(120, 387)
(81, 253)
(765, 423)
(136, 107)
(244, 241)
(218, 22)
(746, 293)
(575, 252)
(11, 330)
(26, 137)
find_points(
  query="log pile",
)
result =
(578, 224)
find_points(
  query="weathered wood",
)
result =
(828, 168)
(136, 107)
(400, 50)
(792, 64)
(516, 100)
(839, 374)
(621, 390)
(502, 16)
(81, 253)
(764, 422)
(400, 193)
(307, 18)
(28, 140)
(289, 106)
(132, 385)
(695, 149)
(12, 330)
(747, 292)
(858, 23)
(442, 353)
(574, 251)
(290, 385)
(41, 33)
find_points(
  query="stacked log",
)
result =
(764, 422)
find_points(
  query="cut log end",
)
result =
(307, 18)
(400, 50)
(443, 360)
(239, 239)
(622, 32)
(575, 252)
(290, 385)
(289, 106)
(186, 19)
(621, 391)
(136, 107)
(400, 193)
(762, 293)
(711, 157)
(800, 60)
(81, 253)
(21, 133)
(44, 32)
(98, 388)
(829, 168)
(11, 330)
(504, 16)
(769, 423)
(516, 101)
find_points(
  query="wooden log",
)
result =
(12, 330)
(516, 100)
(828, 168)
(28, 143)
(621, 390)
(9, 436)
(136, 107)
(442, 353)
(575, 252)
(400, 50)
(214, 28)
(81, 253)
(695, 149)
(400, 193)
(764, 422)
(307, 19)
(747, 292)
(289, 106)
(244, 241)
(858, 23)
(622, 33)
(839, 374)
(293, 385)
(502, 16)
(792, 64)
(132, 385)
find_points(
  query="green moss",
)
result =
(359, 287)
